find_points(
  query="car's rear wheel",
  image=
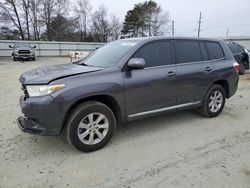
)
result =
(90, 126)
(242, 69)
(214, 101)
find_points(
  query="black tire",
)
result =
(14, 59)
(205, 109)
(78, 114)
(33, 59)
(242, 69)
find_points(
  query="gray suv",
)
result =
(126, 80)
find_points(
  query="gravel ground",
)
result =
(175, 150)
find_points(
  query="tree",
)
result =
(49, 9)
(8, 34)
(100, 24)
(35, 18)
(82, 9)
(62, 28)
(133, 22)
(145, 19)
(10, 14)
(115, 28)
(48, 20)
(23, 16)
(26, 9)
(160, 24)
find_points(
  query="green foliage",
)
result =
(143, 20)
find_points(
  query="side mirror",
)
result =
(10, 46)
(136, 63)
(34, 47)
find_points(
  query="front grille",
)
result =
(26, 95)
(24, 52)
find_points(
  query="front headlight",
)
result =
(16, 51)
(42, 90)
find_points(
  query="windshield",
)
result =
(109, 55)
(19, 45)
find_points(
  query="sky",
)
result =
(217, 15)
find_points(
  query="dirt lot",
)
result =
(175, 150)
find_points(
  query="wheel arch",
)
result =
(224, 84)
(108, 100)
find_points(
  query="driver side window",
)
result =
(155, 53)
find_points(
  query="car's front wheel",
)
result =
(214, 101)
(90, 126)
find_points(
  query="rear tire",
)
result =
(242, 69)
(90, 126)
(214, 102)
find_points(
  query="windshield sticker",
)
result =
(129, 43)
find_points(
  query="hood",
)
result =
(46, 74)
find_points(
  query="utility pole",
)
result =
(227, 31)
(199, 27)
(172, 28)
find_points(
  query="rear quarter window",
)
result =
(214, 50)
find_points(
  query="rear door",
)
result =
(155, 86)
(193, 70)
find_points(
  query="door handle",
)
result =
(171, 74)
(208, 69)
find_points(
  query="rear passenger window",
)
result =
(214, 50)
(155, 53)
(187, 51)
(204, 52)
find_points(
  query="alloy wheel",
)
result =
(93, 128)
(215, 101)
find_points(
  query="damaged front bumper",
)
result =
(29, 126)
(42, 116)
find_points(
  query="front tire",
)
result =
(214, 102)
(90, 126)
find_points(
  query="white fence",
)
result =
(46, 48)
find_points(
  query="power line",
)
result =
(199, 26)
(173, 28)
(227, 31)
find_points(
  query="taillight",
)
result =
(237, 67)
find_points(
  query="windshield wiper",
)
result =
(84, 64)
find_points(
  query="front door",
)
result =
(155, 87)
